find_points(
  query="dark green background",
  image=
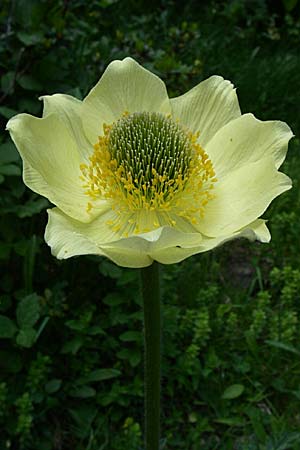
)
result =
(70, 331)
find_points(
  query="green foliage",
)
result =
(71, 332)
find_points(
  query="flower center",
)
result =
(152, 170)
(153, 156)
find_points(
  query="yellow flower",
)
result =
(136, 176)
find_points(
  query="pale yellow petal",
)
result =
(242, 196)
(246, 140)
(207, 107)
(64, 240)
(68, 237)
(52, 163)
(124, 86)
(254, 231)
(69, 110)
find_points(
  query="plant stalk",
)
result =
(152, 346)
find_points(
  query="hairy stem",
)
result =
(152, 341)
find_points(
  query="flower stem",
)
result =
(152, 342)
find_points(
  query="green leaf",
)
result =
(131, 336)
(257, 422)
(84, 415)
(73, 345)
(282, 346)
(26, 337)
(76, 325)
(83, 392)
(28, 311)
(29, 14)
(29, 83)
(32, 207)
(7, 82)
(7, 112)
(7, 328)
(110, 270)
(233, 391)
(95, 330)
(10, 169)
(100, 375)
(289, 4)
(42, 327)
(113, 299)
(8, 153)
(106, 3)
(133, 356)
(30, 105)
(231, 421)
(30, 39)
(53, 385)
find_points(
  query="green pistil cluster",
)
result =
(148, 144)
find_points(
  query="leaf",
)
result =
(113, 299)
(257, 422)
(29, 83)
(84, 415)
(28, 311)
(231, 421)
(8, 153)
(95, 330)
(75, 325)
(73, 345)
(233, 391)
(100, 375)
(30, 39)
(29, 13)
(83, 392)
(26, 337)
(7, 112)
(42, 326)
(289, 4)
(106, 3)
(282, 346)
(284, 441)
(131, 336)
(133, 356)
(10, 169)
(110, 270)
(53, 385)
(30, 105)
(7, 82)
(33, 206)
(7, 328)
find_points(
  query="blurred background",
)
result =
(71, 362)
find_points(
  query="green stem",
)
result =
(152, 341)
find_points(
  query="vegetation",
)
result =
(71, 371)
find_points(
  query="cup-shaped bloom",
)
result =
(137, 176)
